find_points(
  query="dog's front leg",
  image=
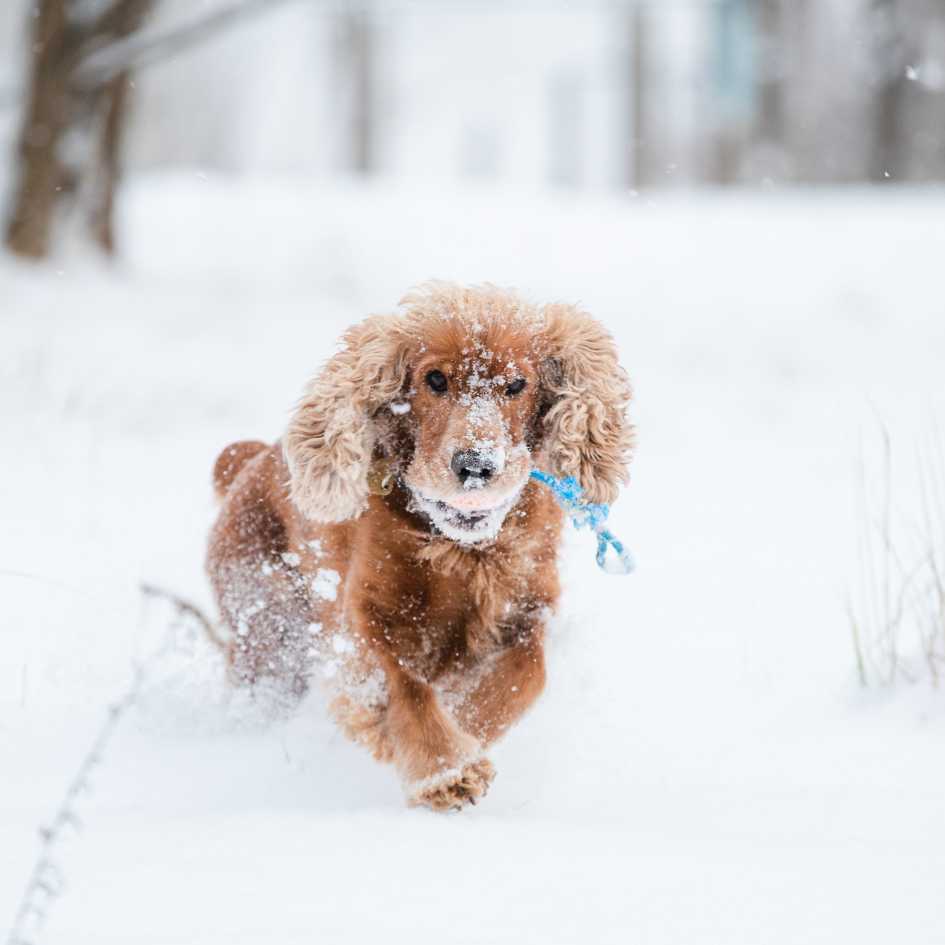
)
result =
(505, 689)
(442, 766)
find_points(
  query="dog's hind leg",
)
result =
(261, 596)
(267, 613)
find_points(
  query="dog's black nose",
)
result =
(468, 464)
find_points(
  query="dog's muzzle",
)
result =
(467, 525)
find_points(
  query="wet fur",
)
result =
(433, 647)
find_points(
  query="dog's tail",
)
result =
(231, 461)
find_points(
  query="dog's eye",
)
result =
(516, 387)
(436, 381)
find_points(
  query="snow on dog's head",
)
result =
(462, 394)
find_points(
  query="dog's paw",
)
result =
(455, 788)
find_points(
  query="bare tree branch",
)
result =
(100, 65)
(152, 45)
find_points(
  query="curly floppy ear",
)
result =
(587, 392)
(330, 440)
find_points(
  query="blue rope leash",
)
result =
(612, 557)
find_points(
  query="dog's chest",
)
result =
(454, 615)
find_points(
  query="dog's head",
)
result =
(462, 395)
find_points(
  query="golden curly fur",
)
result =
(393, 543)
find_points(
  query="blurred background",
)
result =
(197, 197)
(615, 96)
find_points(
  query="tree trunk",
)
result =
(886, 163)
(769, 158)
(358, 40)
(101, 209)
(638, 171)
(42, 177)
(770, 128)
(887, 152)
(59, 106)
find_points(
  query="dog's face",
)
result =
(463, 395)
(473, 404)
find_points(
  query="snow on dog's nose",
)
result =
(473, 468)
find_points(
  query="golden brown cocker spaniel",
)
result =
(392, 543)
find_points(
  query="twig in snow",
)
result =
(46, 881)
(186, 609)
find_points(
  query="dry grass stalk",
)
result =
(897, 615)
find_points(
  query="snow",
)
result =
(325, 583)
(702, 767)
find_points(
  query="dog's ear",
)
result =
(330, 441)
(586, 393)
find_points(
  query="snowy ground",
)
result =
(703, 767)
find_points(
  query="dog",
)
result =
(393, 545)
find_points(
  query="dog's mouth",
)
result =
(464, 525)
(463, 519)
